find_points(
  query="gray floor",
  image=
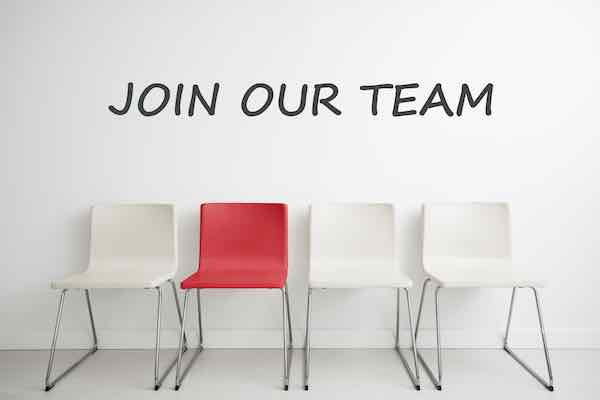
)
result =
(249, 374)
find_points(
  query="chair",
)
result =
(352, 246)
(242, 246)
(468, 245)
(131, 247)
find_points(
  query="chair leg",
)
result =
(412, 339)
(176, 297)
(307, 342)
(89, 307)
(157, 342)
(550, 384)
(287, 353)
(200, 335)
(289, 316)
(436, 381)
(413, 377)
(180, 347)
(437, 333)
(290, 334)
(286, 349)
(158, 381)
(179, 374)
(48, 383)
(419, 312)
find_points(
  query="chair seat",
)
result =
(113, 279)
(357, 277)
(482, 277)
(249, 276)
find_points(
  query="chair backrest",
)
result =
(350, 236)
(134, 236)
(237, 235)
(464, 234)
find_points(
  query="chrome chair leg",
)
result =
(425, 282)
(287, 354)
(176, 297)
(307, 342)
(89, 307)
(510, 312)
(200, 334)
(290, 334)
(289, 315)
(158, 380)
(414, 378)
(48, 383)
(179, 374)
(180, 347)
(543, 334)
(412, 339)
(437, 334)
(550, 383)
(436, 381)
(157, 342)
(286, 349)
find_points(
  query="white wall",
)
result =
(62, 151)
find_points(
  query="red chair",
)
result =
(242, 245)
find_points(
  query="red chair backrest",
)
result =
(233, 235)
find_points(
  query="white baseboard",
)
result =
(247, 338)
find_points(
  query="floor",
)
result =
(255, 374)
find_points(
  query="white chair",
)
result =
(468, 245)
(352, 246)
(131, 247)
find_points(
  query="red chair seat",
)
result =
(266, 274)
